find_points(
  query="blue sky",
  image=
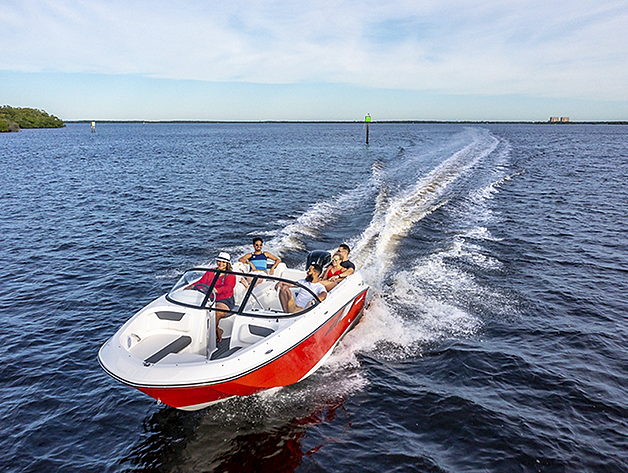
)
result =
(325, 60)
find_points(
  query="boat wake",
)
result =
(420, 297)
(423, 298)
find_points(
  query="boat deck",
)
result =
(223, 350)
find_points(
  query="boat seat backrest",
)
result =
(170, 320)
(253, 333)
(281, 267)
(238, 291)
(292, 274)
(262, 288)
(247, 331)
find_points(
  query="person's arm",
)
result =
(348, 271)
(205, 280)
(276, 259)
(322, 296)
(345, 274)
(245, 259)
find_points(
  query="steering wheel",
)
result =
(201, 287)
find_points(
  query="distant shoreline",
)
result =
(471, 122)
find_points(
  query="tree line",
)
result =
(12, 119)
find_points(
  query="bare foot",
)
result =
(219, 333)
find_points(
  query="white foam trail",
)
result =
(421, 304)
(431, 300)
(307, 226)
(411, 312)
(475, 209)
(400, 324)
(395, 216)
(329, 384)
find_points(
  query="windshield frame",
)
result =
(208, 304)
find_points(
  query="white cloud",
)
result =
(559, 49)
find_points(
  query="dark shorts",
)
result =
(229, 302)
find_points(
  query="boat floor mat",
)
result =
(223, 350)
(173, 347)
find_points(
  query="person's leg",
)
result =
(246, 281)
(220, 315)
(285, 296)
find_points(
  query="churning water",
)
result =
(497, 338)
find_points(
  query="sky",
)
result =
(323, 60)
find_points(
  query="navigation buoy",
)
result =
(367, 120)
(93, 127)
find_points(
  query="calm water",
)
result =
(497, 339)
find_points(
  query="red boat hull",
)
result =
(287, 369)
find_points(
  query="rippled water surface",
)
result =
(497, 339)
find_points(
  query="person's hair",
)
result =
(317, 267)
(228, 266)
(345, 246)
(256, 239)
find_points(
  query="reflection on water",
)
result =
(167, 433)
(260, 433)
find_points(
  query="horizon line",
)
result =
(540, 122)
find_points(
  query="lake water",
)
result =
(497, 339)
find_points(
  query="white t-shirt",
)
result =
(303, 297)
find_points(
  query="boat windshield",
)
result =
(254, 294)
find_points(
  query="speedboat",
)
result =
(169, 350)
